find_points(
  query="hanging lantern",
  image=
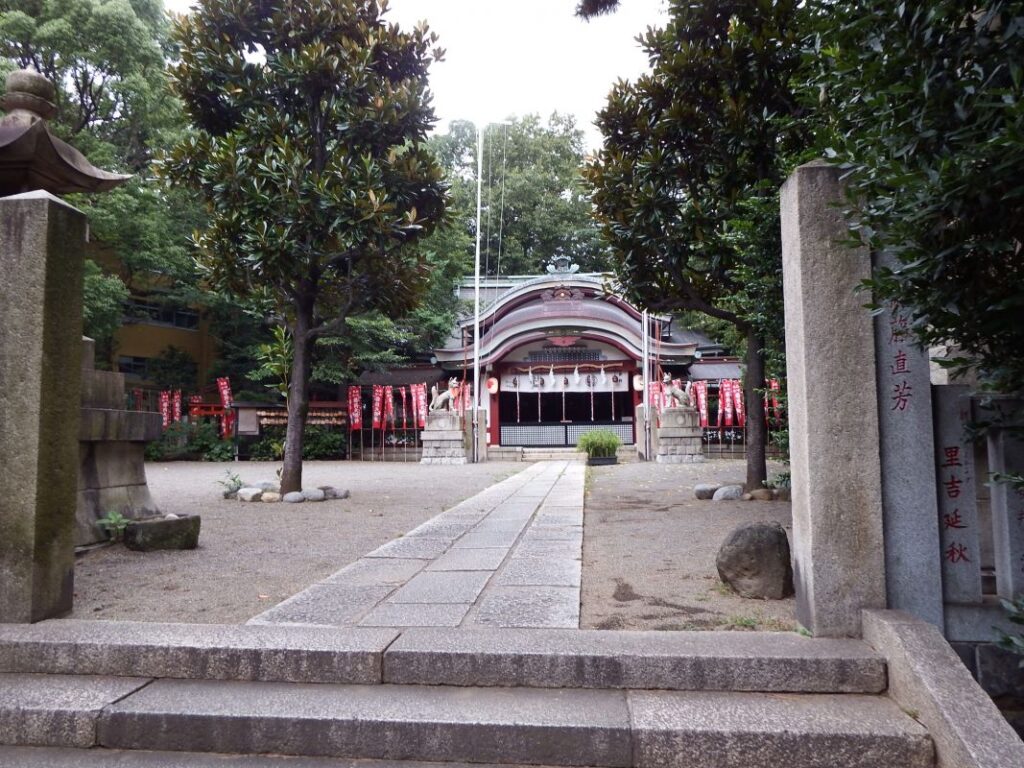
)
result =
(492, 385)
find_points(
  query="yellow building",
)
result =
(150, 327)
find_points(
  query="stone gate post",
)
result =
(41, 251)
(838, 544)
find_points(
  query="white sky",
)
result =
(514, 57)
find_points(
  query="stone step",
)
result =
(566, 727)
(553, 658)
(55, 757)
(543, 658)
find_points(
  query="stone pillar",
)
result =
(111, 452)
(959, 523)
(838, 545)
(912, 565)
(41, 250)
(680, 438)
(444, 441)
(1006, 456)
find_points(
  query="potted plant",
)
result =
(600, 445)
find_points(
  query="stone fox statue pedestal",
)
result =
(444, 441)
(680, 437)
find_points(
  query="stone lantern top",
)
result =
(32, 158)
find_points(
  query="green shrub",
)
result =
(319, 443)
(197, 440)
(601, 443)
(114, 524)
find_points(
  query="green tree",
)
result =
(926, 115)
(309, 122)
(173, 368)
(103, 298)
(106, 58)
(535, 203)
(686, 184)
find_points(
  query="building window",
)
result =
(141, 311)
(134, 367)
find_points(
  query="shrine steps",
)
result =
(120, 694)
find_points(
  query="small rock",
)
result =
(705, 490)
(271, 496)
(171, 516)
(313, 494)
(746, 497)
(755, 561)
(294, 497)
(728, 493)
(331, 492)
(269, 485)
(250, 494)
(762, 494)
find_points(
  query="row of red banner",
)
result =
(170, 404)
(383, 412)
(731, 404)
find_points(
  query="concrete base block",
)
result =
(926, 677)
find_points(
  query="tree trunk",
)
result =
(753, 397)
(298, 396)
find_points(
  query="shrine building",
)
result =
(561, 354)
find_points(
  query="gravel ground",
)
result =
(252, 556)
(649, 550)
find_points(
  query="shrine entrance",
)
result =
(559, 357)
(552, 405)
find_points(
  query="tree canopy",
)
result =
(686, 184)
(534, 201)
(308, 147)
(106, 59)
(926, 114)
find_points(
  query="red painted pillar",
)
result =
(637, 401)
(494, 430)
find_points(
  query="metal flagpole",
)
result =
(476, 292)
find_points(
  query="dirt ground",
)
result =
(252, 556)
(649, 550)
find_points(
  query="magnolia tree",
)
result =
(686, 184)
(307, 146)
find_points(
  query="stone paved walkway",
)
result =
(508, 557)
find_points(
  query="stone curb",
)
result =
(926, 677)
(543, 658)
(195, 651)
(755, 661)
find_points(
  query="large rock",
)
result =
(705, 490)
(313, 494)
(728, 493)
(762, 494)
(163, 533)
(294, 497)
(755, 561)
(271, 496)
(249, 494)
